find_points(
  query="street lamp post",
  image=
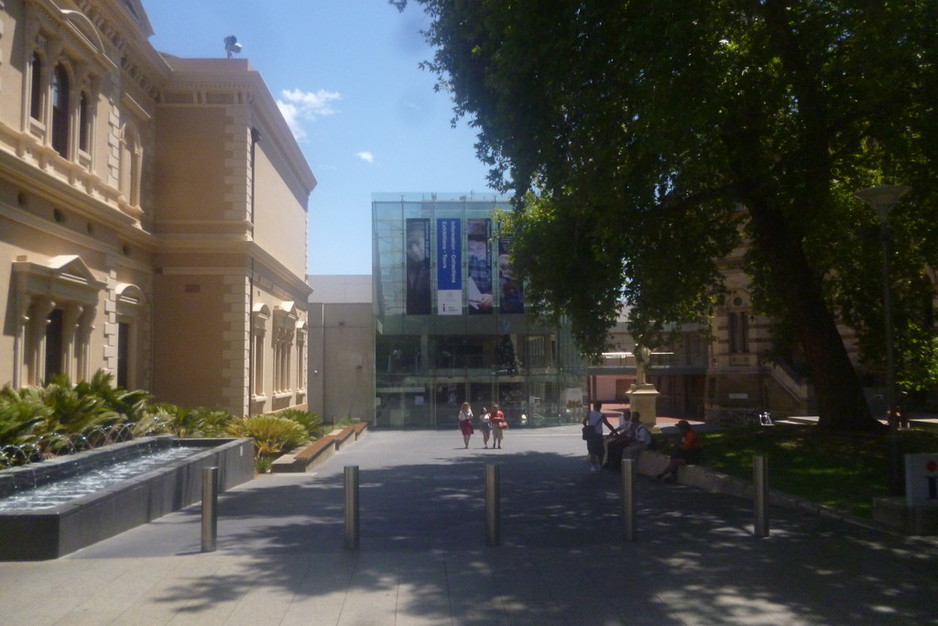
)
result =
(882, 199)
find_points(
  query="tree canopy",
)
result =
(645, 139)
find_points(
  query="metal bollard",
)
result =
(760, 480)
(209, 509)
(493, 533)
(629, 501)
(351, 507)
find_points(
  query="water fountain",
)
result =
(28, 533)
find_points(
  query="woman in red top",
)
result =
(688, 451)
(499, 424)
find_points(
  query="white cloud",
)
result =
(366, 156)
(298, 106)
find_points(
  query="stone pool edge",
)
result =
(52, 533)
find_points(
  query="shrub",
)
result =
(21, 413)
(74, 409)
(308, 419)
(272, 434)
(129, 405)
(262, 464)
(183, 422)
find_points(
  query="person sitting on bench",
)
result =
(639, 438)
(688, 452)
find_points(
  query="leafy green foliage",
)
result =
(272, 433)
(308, 419)
(60, 417)
(183, 422)
(644, 139)
(21, 413)
(74, 408)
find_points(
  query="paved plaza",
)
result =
(423, 557)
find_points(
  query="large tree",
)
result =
(644, 139)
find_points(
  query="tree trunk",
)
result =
(841, 403)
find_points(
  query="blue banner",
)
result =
(449, 266)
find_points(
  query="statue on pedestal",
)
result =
(642, 358)
(643, 395)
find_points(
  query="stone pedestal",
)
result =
(644, 399)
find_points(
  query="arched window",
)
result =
(60, 113)
(738, 326)
(35, 90)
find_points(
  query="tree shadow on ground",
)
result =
(562, 557)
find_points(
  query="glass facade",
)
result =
(450, 319)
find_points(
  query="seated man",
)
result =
(627, 442)
(639, 438)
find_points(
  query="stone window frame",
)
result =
(130, 303)
(259, 318)
(302, 333)
(738, 316)
(286, 317)
(67, 41)
(64, 282)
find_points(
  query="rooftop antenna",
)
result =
(232, 46)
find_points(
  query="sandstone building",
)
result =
(153, 214)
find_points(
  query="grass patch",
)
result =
(841, 470)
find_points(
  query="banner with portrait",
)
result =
(417, 252)
(480, 293)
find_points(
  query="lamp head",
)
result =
(231, 45)
(882, 198)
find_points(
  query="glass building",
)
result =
(451, 323)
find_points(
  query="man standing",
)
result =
(594, 442)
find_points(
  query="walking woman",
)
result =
(465, 422)
(485, 425)
(499, 426)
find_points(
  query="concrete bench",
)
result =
(312, 455)
(342, 436)
(306, 458)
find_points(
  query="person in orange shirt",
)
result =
(499, 424)
(688, 451)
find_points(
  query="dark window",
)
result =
(60, 97)
(35, 94)
(54, 343)
(739, 332)
(84, 122)
(123, 353)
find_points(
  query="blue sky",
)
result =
(366, 117)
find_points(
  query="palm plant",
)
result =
(272, 433)
(308, 419)
(131, 405)
(73, 410)
(183, 422)
(21, 412)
